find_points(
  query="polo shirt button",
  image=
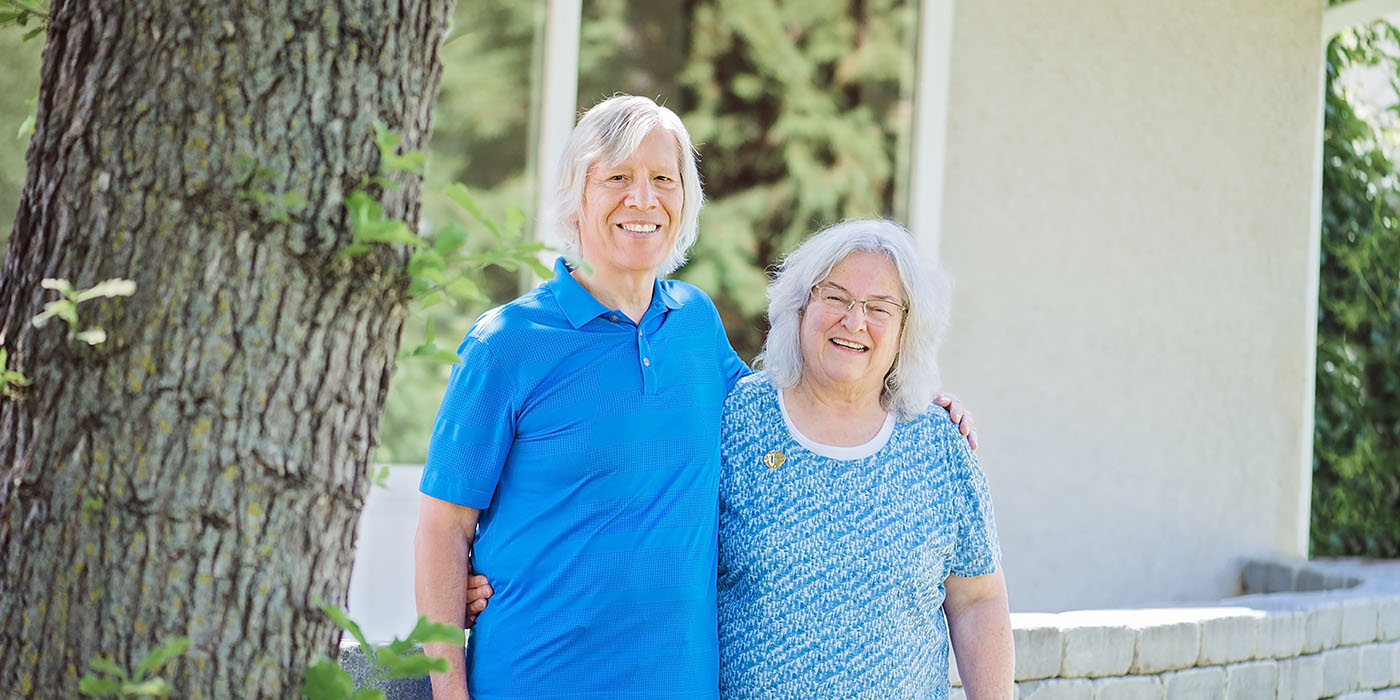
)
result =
(613, 318)
(646, 362)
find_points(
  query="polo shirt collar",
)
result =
(580, 307)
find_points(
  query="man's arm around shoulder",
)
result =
(442, 571)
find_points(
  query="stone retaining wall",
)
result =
(1304, 631)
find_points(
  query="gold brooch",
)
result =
(774, 459)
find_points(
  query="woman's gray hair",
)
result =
(913, 379)
(608, 133)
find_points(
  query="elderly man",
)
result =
(575, 458)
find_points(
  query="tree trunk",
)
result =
(201, 473)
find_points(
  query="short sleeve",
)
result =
(977, 552)
(474, 430)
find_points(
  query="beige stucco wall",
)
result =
(1128, 213)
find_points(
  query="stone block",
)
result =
(1252, 680)
(1165, 646)
(1284, 690)
(1058, 689)
(1307, 677)
(1323, 627)
(1341, 669)
(1388, 618)
(1281, 634)
(1267, 577)
(1359, 618)
(1377, 661)
(1097, 643)
(1310, 579)
(1207, 683)
(1395, 664)
(1387, 694)
(1357, 695)
(1230, 637)
(1128, 688)
(1039, 645)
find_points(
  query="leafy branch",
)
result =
(441, 262)
(20, 13)
(118, 683)
(326, 680)
(66, 308)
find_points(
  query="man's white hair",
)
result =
(608, 133)
(913, 379)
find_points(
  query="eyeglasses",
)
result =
(836, 300)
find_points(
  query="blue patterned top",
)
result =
(831, 571)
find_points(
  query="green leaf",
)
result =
(540, 269)
(161, 655)
(157, 687)
(99, 687)
(109, 667)
(426, 632)
(457, 192)
(422, 260)
(388, 142)
(26, 128)
(327, 681)
(381, 476)
(449, 239)
(342, 618)
(464, 288)
(93, 504)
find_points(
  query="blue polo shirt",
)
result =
(591, 444)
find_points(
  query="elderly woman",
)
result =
(856, 532)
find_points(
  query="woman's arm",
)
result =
(979, 627)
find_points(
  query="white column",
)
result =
(557, 106)
(930, 141)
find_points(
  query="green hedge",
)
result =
(1356, 454)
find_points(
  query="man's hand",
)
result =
(960, 415)
(479, 591)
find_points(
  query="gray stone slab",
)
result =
(1282, 634)
(1230, 638)
(1165, 646)
(1307, 677)
(1097, 643)
(1206, 683)
(1039, 645)
(1359, 618)
(1323, 628)
(1341, 670)
(1252, 680)
(1388, 618)
(1058, 689)
(1377, 662)
(1129, 688)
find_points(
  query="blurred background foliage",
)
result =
(1356, 444)
(802, 112)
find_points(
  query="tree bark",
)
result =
(201, 473)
